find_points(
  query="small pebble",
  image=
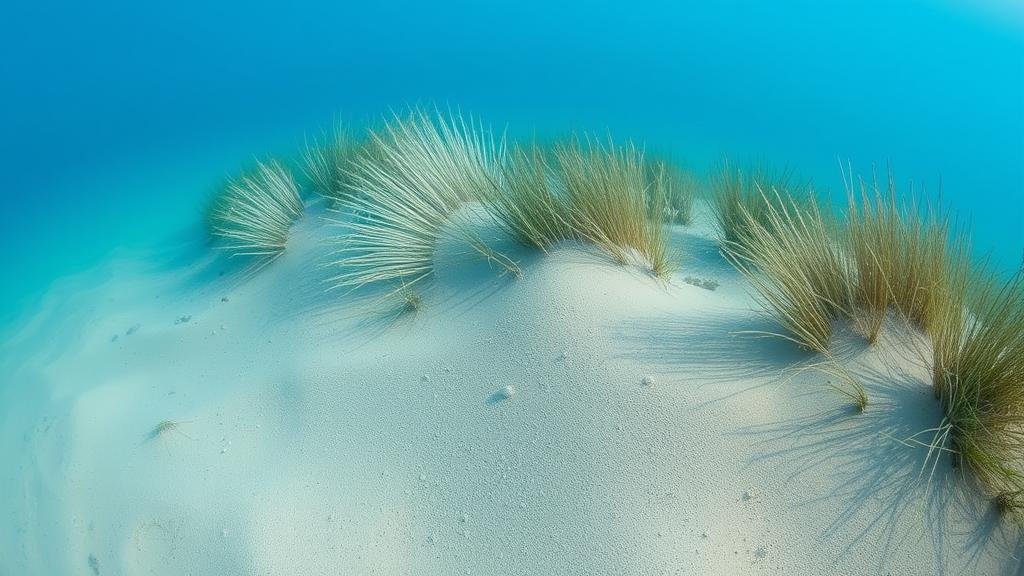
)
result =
(647, 381)
(508, 392)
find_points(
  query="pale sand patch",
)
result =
(502, 428)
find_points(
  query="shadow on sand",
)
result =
(884, 480)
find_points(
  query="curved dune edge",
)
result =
(585, 419)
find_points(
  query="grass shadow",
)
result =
(882, 481)
(717, 346)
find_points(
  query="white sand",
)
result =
(582, 420)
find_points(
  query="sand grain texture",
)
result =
(314, 439)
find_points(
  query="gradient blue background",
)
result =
(117, 118)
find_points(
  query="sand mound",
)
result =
(585, 419)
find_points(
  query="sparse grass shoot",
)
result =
(166, 427)
(845, 382)
(411, 301)
(253, 214)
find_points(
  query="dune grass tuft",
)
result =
(978, 375)
(678, 187)
(524, 203)
(252, 215)
(796, 265)
(325, 162)
(613, 203)
(899, 255)
(741, 198)
(408, 182)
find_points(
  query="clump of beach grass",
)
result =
(978, 375)
(325, 161)
(899, 254)
(795, 263)
(741, 198)
(524, 203)
(253, 213)
(613, 204)
(415, 173)
(678, 187)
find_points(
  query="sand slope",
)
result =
(646, 433)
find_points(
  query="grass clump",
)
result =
(978, 375)
(742, 200)
(796, 265)
(678, 187)
(524, 203)
(408, 182)
(253, 213)
(326, 161)
(792, 256)
(899, 255)
(613, 204)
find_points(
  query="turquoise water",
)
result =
(118, 118)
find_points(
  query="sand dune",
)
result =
(584, 419)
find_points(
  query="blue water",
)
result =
(118, 118)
